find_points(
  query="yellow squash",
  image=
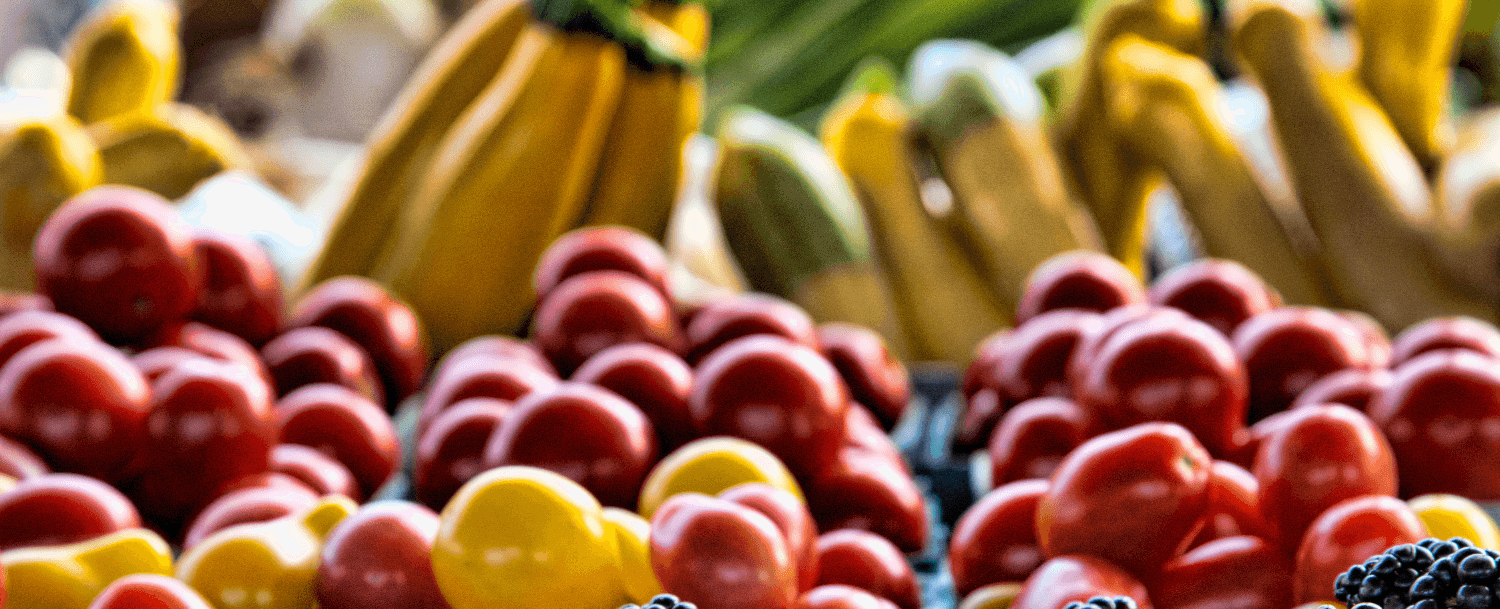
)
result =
(981, 118)
(264, 565)
(641, 168)
(1114, 182)
(511, 175)
(711, 466)
(124, 58)
(1166, 105)
(403, 144)
(1407, 49)
(945, 305)
(70, 576)
(1363, 192)
(632, 540)
(44, 161)
(167, 150)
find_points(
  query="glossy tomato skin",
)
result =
(872, 374)
(149, 591)
(995, 540)
(1240, 571)
(721, 553)
(587, 434)
(69, 379)
(1065, 579)
(654, 379)
(1353, 387)
(1345, 535)
(451, 450)
(1035, 362)
(313, 354)
(984, 402)
(791, 518)
(601, 248)
(25, 328)
(1288, 349)
(1131, 497)
(776, 393)
(1437, 413)
(838, 596)
(870, 491)
(381, 324)
(320, 472)
(742, 315)
(1293, 467)
(211, 423)
(250, 504)
(480, 375)
(1441, 333)
(19, 462)
(594, 311)
(1078, 280)
(119, 259)
(867, 561)
(1034, 437)
(58, 509)
(349, 428)
(241, 293)
(1220, 293)
(1233, 506)
(378, 557)
(1161, 368)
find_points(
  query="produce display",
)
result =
(663, 304)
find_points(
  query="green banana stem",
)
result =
(613, 19)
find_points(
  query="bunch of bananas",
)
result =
(119, 127)
(529, 118)
(967, 178)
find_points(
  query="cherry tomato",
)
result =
(311, 354)
(1033, 438)
(720, 554)
(601, 248)
(1220, 293)
(867, 561)
(1354, 387)
(1035, 362)
(119, 259)
(378, 558)
(383, 326)
(742, 315)
(451, 450)
(1445, 333)
(1320, 456)
(25, 328)
(995, 540)
(241, 293)
(872, 375)
(1065, 579)
(588, 313)
(321, 473)
(1245, 572)
(1078, 280)
(1288, 349)
(1345, 535)
(58, 509)
(1131, 497)
(1438, 413)
(349, 428)
(791, 518)
(654, 379)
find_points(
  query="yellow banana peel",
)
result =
(403, 145)
(124, 58)
(1166, 104)
(1362, 190)
(511, 176)
(44, 161)
(945, 305)
(1468, 189)
(168, 150)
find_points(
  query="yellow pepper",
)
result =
(267, 565)
(519, 536)
(632, 538)
(1454, 516)
(710, 466)
(993, 596)
(70, 576)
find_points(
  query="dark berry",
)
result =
(1476, 569)
(1473, 597)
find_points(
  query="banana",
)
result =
(511, 175)
(794, 224)
(945, 305)
(401, 148)
(981, 117)
(1363, 192)
(1165, 104)
(44, 161)
(1111, 180)
(1407, 48)
(124, 58)
(661, 106)
(168, 150)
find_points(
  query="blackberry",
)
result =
(1384, 579)
(668, 601)
(1103, 602)
(1465, 577)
